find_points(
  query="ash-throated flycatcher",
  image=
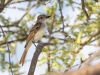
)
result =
(36, 33)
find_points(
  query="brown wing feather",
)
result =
(33, 31)
(31, 35)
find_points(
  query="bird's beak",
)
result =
(47, 16)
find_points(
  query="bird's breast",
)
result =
(40, 33)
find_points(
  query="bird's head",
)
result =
(42, 18)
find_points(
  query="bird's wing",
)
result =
(33, 31)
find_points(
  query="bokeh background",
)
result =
(73, 44)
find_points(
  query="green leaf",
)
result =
(78, 39)
(82, 56)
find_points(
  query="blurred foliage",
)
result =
(63, 54)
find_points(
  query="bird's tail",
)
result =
(24, 53)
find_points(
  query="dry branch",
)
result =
(83, 7)
(87, 70)
(3, 4)
(8, 49)
(35, 57)
(60, 9)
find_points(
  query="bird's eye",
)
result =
(41, 17)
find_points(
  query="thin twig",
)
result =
(8, 50)
(21, 9)
(91, 57)
(60, 9)
(21, 1)
(95, 54)
(87, 70)
(70, 68)
(87, 41)
(90, 37)
(26, 12)
(76, 3)
(50, 32)
(2, 43)
(83, 7)
(7, 3)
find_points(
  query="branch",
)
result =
(2, 43)
(91, 36)
(92, 57)
(2, 2)
(60, 9)
(7, 3)
(28, 10)
(96, 0)
(83, 7)
(50, 32)
(21, 1)
(76, 3)
(87, 70)
(21, 9)
(8, 49)
(86, 42)
(35, 57)
(98, 37)
(26, 13)
(2, 5)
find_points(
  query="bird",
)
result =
(35, 34)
